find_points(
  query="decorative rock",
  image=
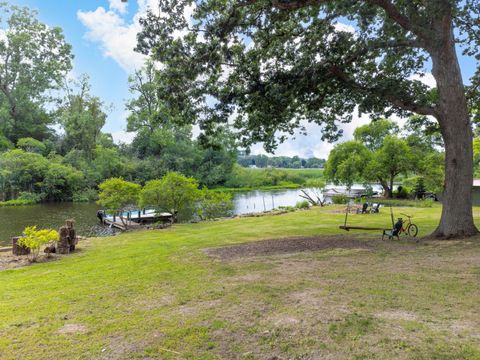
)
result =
(17, 249)
(50, 249)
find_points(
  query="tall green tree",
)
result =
(373, 134)
(347, 162)
(82, 117)
(390, 160)
(268, 65)
(34, 58)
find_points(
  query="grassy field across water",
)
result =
(160, 294)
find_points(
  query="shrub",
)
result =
(402, 192)
(215, 204)
(340, 199)
(32, 198)
(302, 204)
(419, 188)
(34, 239)
(116, 193)
(174, 192)
(16, 203)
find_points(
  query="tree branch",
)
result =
(389, 8)
(391, 98)
(410, 106)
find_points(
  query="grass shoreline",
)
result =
(157, 294)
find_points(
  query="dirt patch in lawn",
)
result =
(286, 246)
(72, 329)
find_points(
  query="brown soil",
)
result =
(286, 246)
(9, 261)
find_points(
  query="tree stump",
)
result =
(68, 238)
(17, 249)
(63, 245)
(73, 240)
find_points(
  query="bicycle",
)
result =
(408, 227)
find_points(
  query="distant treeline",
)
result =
(263, 161)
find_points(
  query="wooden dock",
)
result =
(118, 224)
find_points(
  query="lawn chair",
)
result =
(395, 231)
(364, 208)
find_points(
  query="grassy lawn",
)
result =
(157, 294)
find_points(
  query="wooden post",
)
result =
(17, 249)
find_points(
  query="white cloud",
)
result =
(119, 6)
(117, 38)
(116, 35)
(123, 137)
(311, 144)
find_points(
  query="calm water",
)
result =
(52, 215)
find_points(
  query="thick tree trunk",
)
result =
(387, 191)
(457, 218)
(391, 186)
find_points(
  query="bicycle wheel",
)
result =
(412, 230)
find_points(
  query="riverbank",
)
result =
(316, 293)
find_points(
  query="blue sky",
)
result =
(102, 33)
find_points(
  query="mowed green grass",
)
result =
(157, 294)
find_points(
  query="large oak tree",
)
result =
(269, 66)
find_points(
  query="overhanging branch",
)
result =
(390, 9)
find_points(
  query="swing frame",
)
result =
(348, 228)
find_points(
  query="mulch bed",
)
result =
(286, 246)
(9, 261)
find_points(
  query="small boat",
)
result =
(133, 218)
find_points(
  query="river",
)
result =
(52, 215)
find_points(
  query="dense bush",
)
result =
(340, 199)
(402, 192)
(16, 202)
(304, 204)
(116, 193)
(32, 198)
(34, 239)
(215, 204)
(174, 192)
